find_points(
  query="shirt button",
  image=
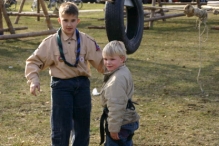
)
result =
(69, 42)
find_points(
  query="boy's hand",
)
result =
(114, 135)
(33, 87)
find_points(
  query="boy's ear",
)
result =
(59, 20)
(123, 58)
(79, 20)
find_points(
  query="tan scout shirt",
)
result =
(116, 92)
(47, 55)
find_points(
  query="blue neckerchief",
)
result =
(61, 48)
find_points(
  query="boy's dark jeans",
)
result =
(125, 132)
(71, 100)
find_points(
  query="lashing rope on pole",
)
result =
(215, 12)
(202, 14)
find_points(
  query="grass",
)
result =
(173, 109)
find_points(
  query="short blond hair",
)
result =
(68, 8)
(114, 48)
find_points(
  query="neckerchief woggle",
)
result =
(61, 48)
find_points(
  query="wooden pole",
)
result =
(215, 27)
(18, 28)
(49, 24)
(31, 34)
(1, 20)
(19, 11)
(182, 3)
(163, 17)
(198, 4)
(147, 12)
(30, 14)
(38, 9)
(152, 14)
(8, 21)
(161, 10)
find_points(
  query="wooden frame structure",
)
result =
(163, 16)
(5, 14)
(12, 35)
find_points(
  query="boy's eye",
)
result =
(66, 20)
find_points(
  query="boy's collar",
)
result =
(115, 70)
(65, 37)
(108, 74)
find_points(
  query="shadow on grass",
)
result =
(156, 79)
(15, 47)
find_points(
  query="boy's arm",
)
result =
(38, 61)
(94, 55)
(32, 70)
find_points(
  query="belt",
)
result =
(79, 77)
(102, 129)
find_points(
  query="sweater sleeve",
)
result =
(94, 55)
(39, 60)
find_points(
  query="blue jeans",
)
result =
(125, 132)
(71, 101)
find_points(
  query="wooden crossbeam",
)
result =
(164, 17)
(182, 3)
(17, 28)
(30, 34)
(31, 14)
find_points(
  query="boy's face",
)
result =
(68, 23)
(113, 62)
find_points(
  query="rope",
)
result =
(215, 12)
(200, 64)
(202, 15)
(190, 11)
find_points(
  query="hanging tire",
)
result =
(131, 34)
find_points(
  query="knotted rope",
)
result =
(215, 12)
(190, 11)
(202, 15)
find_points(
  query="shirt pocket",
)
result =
(81, 56)
(58, 59)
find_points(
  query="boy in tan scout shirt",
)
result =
(120, 116)
(67, 54)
